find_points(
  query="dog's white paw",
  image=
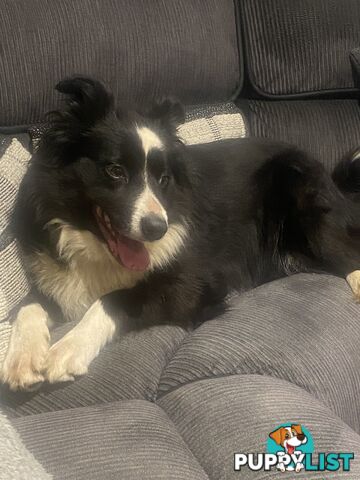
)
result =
(299, 467)
(353, 280)
(25, 362)
(67, 359)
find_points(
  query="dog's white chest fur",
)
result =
(86, 271)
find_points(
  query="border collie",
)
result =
(122, 226)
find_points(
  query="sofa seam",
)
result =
(153, 394)
(262, 374)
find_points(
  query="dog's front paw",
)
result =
(66, 360)
(25, 362)
(353, 279)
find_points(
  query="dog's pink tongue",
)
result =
(132, 254)
(291, 449)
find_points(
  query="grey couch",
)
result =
(163, 403)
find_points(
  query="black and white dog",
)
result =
(122, 226)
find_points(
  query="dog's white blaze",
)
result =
(145, 204)
(73, 353)
(28, 348)
(149, 139)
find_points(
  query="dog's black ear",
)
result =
(88, 100)
(169, 112)
(87, 103)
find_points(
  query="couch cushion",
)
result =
(14, 286)
(123, 440)
(302, 47)
(304, 329)
(203, 124)
(139, 48)
(16, 461)
(210, 123)
(221, 416)
(127, 369)
(328, 129)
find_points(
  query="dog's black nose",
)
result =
(153, 227)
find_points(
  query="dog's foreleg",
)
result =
(28, 347)
(72, 354)
(353, 279)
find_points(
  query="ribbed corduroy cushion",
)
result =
(140, 48)
(125, 370)
(295, 47)
(327, 129)
(218, 417)
(124, 441)
(303, 329)
(198, 428)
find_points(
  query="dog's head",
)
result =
(289, 437)
(122, 171)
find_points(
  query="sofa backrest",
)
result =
(196, 50)
(300, 48)
(140, 48)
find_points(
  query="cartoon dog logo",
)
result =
(289, 438)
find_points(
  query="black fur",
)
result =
(256, 210)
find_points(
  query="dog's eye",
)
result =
(287, 435)
(164, 180)
(117, 172)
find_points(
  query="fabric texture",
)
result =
(210, 123)
(140, 49)
(284, 352)
(300, 47)
(203, 124)
(304, 329)
(127, 369)
(123, 440)
(13, 282)
(327, 129)
(17, 463)
(220, 416)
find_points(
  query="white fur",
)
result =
(147, 202)
(163, 251)
(72, 355)
(88, 270)
(149, 139)
(28, 348)
(353, 280)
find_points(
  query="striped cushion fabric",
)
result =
(210, 123)
(13, 282)
(301, 48)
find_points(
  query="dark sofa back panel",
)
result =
(300, 47)
(140, 48)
